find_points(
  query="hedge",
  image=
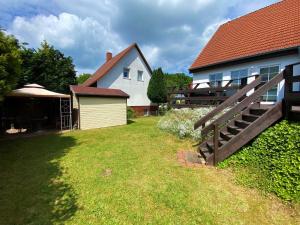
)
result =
(271, 162)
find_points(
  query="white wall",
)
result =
(253, 68)
(137, 90)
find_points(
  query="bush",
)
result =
(163, 109)
(181, 122)
(130, 113)
(271, 162)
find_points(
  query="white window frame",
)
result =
(125, 69)
(277, 87)
(140, 72)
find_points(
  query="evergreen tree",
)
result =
(157, 91)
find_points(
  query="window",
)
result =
(140, 76)
(126, 73)
(267, 73)
(237, 76)
(214, 78)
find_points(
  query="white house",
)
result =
(262, 42)
(128, 71)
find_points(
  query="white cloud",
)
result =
(84, 38)
(170, 32)
(210, 30)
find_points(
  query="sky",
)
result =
(170, 33)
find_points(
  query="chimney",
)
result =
(108, 56)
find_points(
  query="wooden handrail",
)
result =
(244, 104)
(230, 101)
(222, 81)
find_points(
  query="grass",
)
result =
(59, 179)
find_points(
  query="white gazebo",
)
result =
(34, 106)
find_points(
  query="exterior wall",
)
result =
(145, 110)
(96, 112)
(137, 90)
(253, 69)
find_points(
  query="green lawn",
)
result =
(59, 179)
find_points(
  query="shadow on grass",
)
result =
(33, 189)
(130, 121)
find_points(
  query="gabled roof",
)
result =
(93, 91)
(107, 66)
(270, 29)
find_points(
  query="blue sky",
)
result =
(171, 33)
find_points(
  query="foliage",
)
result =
(82, 78)
(181, 122)
(60, 179)
(157, 91)
(177, 80)
(272, 161)
(163, 109)
(10, 63)
(49, 67)
(130, 113)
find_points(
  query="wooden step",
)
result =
(249, 117)
(257, 111)
(226, 135)
(205, 152)
(241, 123)
(233, 129)
(210, 144)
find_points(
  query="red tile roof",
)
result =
(93, 91)
(270, 29)
(107, 66)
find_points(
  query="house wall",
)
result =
(96, 112)
(137, 90)
(253, 68)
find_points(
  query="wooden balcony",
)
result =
(211, 94)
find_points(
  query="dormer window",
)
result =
(126, 73)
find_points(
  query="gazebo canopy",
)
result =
(37, 91)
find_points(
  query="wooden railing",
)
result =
(238, 108)
(211, 95)
(229, 102)
(291, 97)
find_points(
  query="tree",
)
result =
(177, 80)
(49, 67)
(82, 78)
(10, 63)
(157, 91)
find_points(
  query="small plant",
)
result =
(130, 113)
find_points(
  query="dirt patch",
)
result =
(190, 159)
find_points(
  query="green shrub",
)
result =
(130, 113)
(271, 162)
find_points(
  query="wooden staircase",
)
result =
(245, 119)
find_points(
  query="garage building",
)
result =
(98, 107)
